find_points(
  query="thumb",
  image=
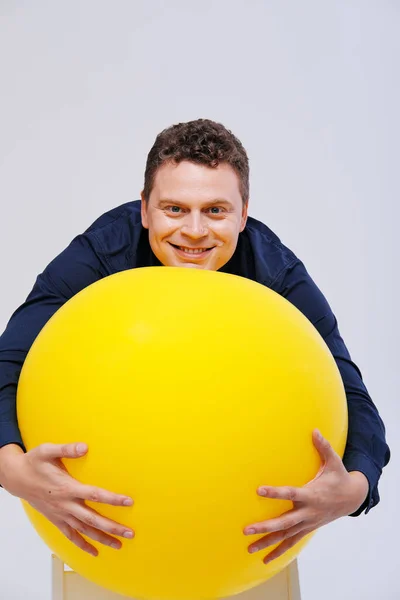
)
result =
(54, 451)
(325, 450)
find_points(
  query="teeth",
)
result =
(192, 250)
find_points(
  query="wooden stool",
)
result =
(68, 585)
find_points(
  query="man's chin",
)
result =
(188, 265)
(194, 266)
(172, 261)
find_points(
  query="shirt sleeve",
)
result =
(78, 266)
(366, 449)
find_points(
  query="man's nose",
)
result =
(194, 227)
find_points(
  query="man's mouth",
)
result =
(187, 251)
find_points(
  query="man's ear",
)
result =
(244, 216)
(143, 211)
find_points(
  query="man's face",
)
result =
(194, 215)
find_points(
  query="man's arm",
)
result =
(75, 268)
(366, 451)
(30, 475)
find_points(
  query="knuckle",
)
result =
(94, 495)
(61, 491)
(288, 524)
(65, 451)
(82, 528)
(56, 507)
(44, 449)
(291, 493)
(90, 520)
(284, 535)
(64, 487)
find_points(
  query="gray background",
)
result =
(312, 90)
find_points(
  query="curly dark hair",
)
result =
(203, 142)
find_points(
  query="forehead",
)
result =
(188, 180)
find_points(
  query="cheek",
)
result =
(228, 233)
(162, 228)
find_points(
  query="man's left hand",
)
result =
(333, 493)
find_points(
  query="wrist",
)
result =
(360, 487)
(8, 454)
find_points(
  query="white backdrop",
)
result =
(312, 90)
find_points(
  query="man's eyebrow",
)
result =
(163, 201)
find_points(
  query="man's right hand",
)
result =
(40, 477)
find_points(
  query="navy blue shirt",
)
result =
(117, 241)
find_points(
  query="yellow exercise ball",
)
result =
(191, 388)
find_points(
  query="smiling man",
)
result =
(193, 213)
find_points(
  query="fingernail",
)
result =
(81, 448)
(94, 552)
(319, 436)
(253, 549)
(115, 546)
(262, 492)
(128, 534)
(127, 502)
(250, 531)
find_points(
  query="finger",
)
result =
(54, 451)
(77, 539)
(289, 519)
(325, 450)
(95, 494)
(93, 519)
(285, 546)
(286, 492)
(94, 534)
(275, 538)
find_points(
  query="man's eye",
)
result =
(216, 210)
(174, 209)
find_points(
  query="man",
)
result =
(193, 213)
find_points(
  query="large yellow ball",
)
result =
(191, 388)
